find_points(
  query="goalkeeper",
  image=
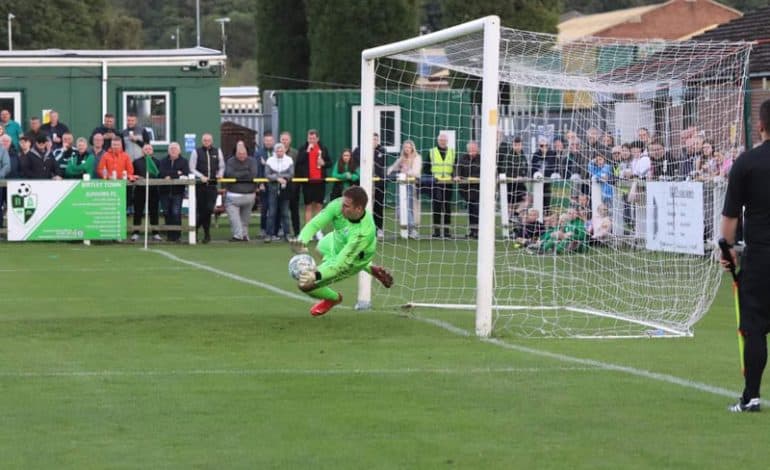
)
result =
(346, 251)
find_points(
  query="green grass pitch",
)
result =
(114, 357)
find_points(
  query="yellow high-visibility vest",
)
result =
(442, 168)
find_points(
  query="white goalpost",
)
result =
(592, 205)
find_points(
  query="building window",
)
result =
(11, 100)
(387, 124)
(153, 112)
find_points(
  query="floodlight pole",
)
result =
(11, 16)
(198, 23)
(222, 22)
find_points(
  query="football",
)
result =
(24, 189)
(301, 263)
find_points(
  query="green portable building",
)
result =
(400, 114)
(174, 92)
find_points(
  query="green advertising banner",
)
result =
(66, 210)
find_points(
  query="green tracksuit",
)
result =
(346, 251)
(576, 242)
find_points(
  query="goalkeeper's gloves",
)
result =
(298, 247)
(306, 281)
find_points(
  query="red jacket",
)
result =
(116, 162)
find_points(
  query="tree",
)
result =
(339, 30)
(283, 52)
(37, 27)
(530, 15)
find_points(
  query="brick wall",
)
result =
(677, 19)
(758, 95)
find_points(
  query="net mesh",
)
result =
(612, 156)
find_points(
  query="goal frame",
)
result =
(490, 27)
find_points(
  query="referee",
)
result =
(748, 189)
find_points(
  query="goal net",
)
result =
(563, 189)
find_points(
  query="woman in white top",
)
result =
(409, 164)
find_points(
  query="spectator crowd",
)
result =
(566, 164)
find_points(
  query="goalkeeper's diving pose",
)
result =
(346, 251)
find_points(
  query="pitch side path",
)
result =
(206, 357)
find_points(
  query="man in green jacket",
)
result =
(346, 251)
(568, 236)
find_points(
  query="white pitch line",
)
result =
(590, 362)
(290, 372)
(235, 277)
(88, 270)
(671, 379)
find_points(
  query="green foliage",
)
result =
(531, 15)
(69, 24)
(339, 30)
(282, 48)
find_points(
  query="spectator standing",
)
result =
(12, 128)
(5, 170)
(116, 163)
(313, 160)
(661, 166)
(35, 130)
(542, 163)
(106, 130)
(13, 156)
(262, 155)
(601, 171)
(293, 188)
(279, 170)
(55, 129)
(98, 147)
(65, 152)
(380, 174)
(208, 164)
(173, 167)
(409, 164)
(346, 169)
(240, 195)
(80, 162)
(640, 162)
(135, 137)
(513, 163)
(441, 162)
(469, 167)
(147, 167)
(38, 162)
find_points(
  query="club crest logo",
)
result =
(23, 202)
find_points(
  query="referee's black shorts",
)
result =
(314, 192)
(754, 290)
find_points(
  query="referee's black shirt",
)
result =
(749, 187)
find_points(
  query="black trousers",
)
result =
(754, 295)
(153, 205)
(205, 200)
(472, 198)
(294, 192)
(442, 206)
(379, 203)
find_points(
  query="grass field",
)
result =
(206, 357)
